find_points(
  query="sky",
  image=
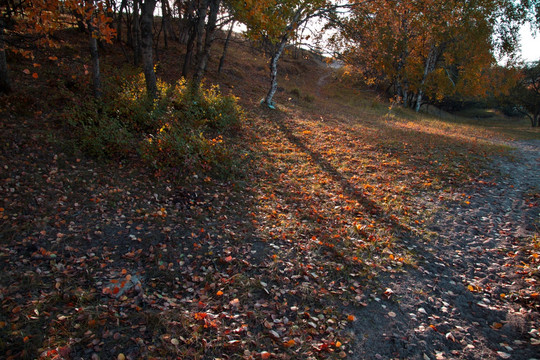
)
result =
(530, 47)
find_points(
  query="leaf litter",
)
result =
(347, 238)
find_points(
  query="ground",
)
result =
(359, 230)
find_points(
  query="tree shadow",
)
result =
(349, 189)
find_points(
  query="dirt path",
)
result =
(451, 306)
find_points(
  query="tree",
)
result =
(429, 49)
(147, 26)
(33, 24)
(277, 22)
(5, 83)
(526, 94)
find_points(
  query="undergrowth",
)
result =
(185, 130)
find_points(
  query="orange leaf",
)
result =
(53, 58)
(265, 355)
(219, 293)
(200, 315)
(497, 325)
(124, 271)
(351, 318)
(289, 343)
(35, 75)
(338, 344)
(128, 277)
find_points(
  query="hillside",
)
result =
(350, 229)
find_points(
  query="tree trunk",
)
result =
(96, 76)
(164, 22)
(269, 100)
(147, 17)
(225, 47)
(137, 37)
(196, 32)
(209, 39)
(5, 83)
(185, 18)
(119, 21)
(201, 21)
(431, 61)
(273, 72)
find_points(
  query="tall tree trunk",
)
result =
(5, 83)
(209, 39)
(147, 18)
(195, 30)
(225, 47)
(164, 21)
(96, 76)
(431, 61)
(185, 18)
(119, 21)
(169, 15)
(201, 21)
(137, 37)
(269, 100)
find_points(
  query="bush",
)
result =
(184, 129)
(97, 133)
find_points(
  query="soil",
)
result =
(455, 303)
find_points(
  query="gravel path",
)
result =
(450, 306)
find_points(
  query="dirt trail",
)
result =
(433, 313)
(450, 306)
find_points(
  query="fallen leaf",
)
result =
(289, 343)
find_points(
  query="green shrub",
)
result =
(183, 129)
(99, 134)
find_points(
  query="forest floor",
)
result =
(359, 230)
